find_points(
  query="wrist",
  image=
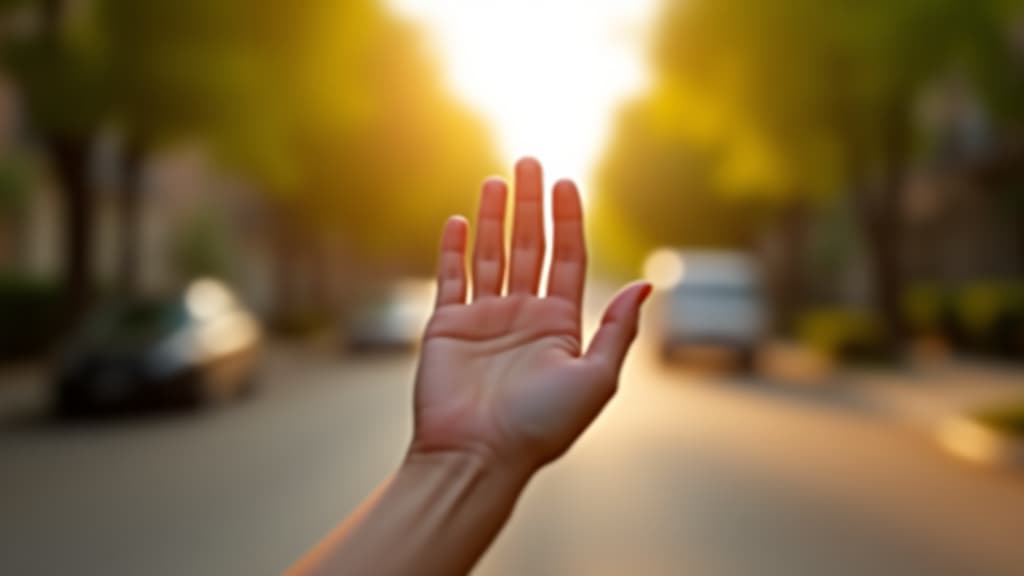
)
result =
(456, 500)
(447, 504)
(480, 463)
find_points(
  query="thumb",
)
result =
(619, 326)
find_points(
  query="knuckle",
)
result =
(528, 241)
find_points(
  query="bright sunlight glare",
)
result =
(547, 74)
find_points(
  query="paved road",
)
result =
(683, 475)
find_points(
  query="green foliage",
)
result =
(981, 317)
(809, 85)
(843, 333)
(796, 101)
(174, 66)
(331, 109)
(980, 306)
(61, 73)
(926, 306)
(750, 68)
(379, 151)
(656, 188)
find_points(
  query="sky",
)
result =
(547, 75)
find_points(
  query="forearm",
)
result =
(436, 516)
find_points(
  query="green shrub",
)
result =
(979, 306)
(841, 333)
(988, 317)
(924, 308)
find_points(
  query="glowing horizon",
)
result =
(546, 75)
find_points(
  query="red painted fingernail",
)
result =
(645, 292)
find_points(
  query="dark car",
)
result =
(199, 347)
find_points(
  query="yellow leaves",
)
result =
(620, 245)
(752, 160)
(756, 165)
(675, 111)
(751, 164)
(748, 162)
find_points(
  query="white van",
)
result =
(713, 299)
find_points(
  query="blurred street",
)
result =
(234, 206)
(682, 475)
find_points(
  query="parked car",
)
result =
(392, 319)
(713, 300)
(198, 347)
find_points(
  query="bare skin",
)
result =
(504, 387)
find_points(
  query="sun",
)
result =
(547, 74)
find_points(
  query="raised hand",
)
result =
(503, 388)
(504, 375)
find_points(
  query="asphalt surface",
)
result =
(683, 474)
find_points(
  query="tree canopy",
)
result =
(334, 111)
(799, 100)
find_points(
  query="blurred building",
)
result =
(963, 208)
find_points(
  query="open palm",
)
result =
(505, 374)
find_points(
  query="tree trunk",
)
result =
(70, 157)
(785, 269)
(890, 275)
(52, 14)
(884, 231)
(1016, 177)
(130, 216)
(880, 209)
(321, 269)
(288, 270)
(71, 160)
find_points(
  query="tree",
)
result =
(60, 73)
(330, 109)
(806, 98)
(657, 187)
(175, 67)
(366, 152)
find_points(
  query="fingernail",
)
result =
(645, 292)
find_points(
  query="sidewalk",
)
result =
(926, 397)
